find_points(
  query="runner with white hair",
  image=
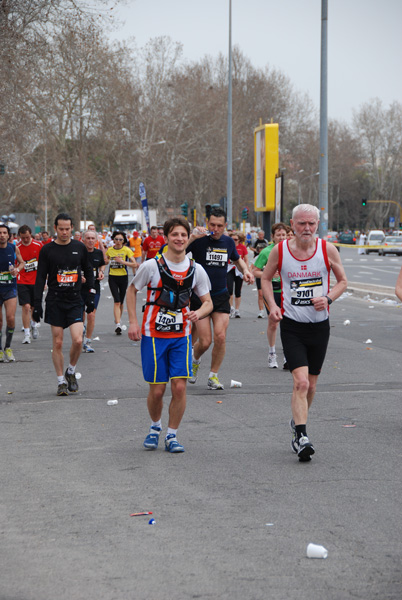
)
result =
(304, 264)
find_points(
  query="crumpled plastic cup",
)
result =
(316, 551)
(235, 384)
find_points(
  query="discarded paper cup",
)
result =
(112, 402)
(234, 383)
(347, 322)
(316, 551)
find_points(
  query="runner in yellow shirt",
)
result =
(120, 257)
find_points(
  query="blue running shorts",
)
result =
(7, 294)
(166, 358)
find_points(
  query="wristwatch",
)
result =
(329, 300)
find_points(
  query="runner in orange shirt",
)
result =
(136, 245)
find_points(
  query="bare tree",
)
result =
(380, 133)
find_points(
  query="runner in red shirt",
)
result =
(152, 244)
(46, 239)
(29, 249)
(234, 277)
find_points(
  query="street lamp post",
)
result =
(301, 181)
(229, 141)
(45, 182)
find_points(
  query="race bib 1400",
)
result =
(169, 321)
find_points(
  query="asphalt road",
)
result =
(235, 512)
(371, 269)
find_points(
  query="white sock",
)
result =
(86, 340)
(70, 369)
(272, 350)
(170, 430)
(212, 374)
(60, 379)
(157, 424)
(34, 324)
(197, 362)
(26, 330)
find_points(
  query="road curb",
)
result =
(376, 292)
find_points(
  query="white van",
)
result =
(375, 238)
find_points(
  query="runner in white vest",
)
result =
(304, 264)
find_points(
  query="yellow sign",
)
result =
(266, 165)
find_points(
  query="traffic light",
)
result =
(184, 209)
(208, 209)
(364, 201)
(193, 213)
(244, 213)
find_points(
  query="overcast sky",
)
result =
(364, 41)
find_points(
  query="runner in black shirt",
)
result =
(63, 262)
(212, 249)
(97, 260)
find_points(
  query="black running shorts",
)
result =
(25, 294)
(305, 344)
(220, 302)
(63, 312)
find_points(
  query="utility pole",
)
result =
(323, 181)
(229, 165)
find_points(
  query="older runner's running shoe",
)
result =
(62, 389)
(305, 449)
(72, 382)
(293, 443)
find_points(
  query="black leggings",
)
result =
(118, 286)
(235, 281)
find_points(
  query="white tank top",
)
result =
(303, 280)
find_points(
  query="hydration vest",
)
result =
(174, 294)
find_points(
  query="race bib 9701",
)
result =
(303, 291)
